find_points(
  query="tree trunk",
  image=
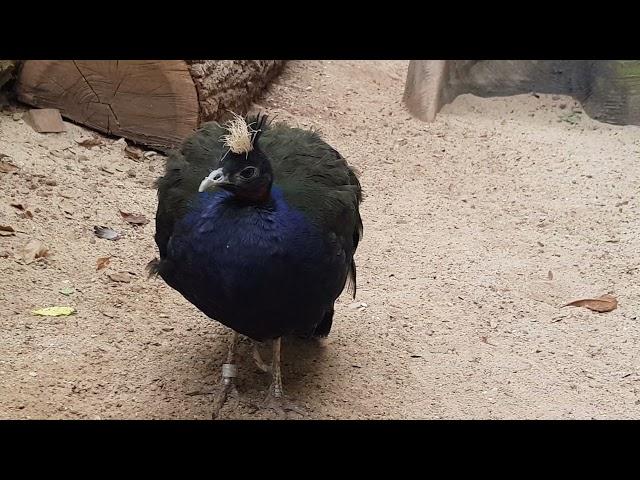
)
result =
(6, 71)
(155, 103)
(224, 85)
(609, 90)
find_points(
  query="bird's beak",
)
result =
(214, 179)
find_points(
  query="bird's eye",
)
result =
(248, 172)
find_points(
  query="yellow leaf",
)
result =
(54, 311)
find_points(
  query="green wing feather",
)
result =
(313, 176)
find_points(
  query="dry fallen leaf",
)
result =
(360, 306)
(134, 219)
(106, 233)
(19, 206)
(90, 142)
(133, 153)
(6, 166)
(550, 275)
(122, 277)
(605, 303)
(67, 207)
(103, 262)
(67, 290)
(6, 231)
(54, 311)
(32, 250)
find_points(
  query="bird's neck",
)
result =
(259, 196)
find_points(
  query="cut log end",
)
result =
(154, 103)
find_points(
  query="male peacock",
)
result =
(257, 226)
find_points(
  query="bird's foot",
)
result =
(284, 408)
(225, 388)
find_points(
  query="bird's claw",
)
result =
(282, 406)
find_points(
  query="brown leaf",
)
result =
(90, 142)
(103, 262)
(106, 233)
(550, 275)
(6, 231)
(6, 166)
(133, 218)
(122, 277)
(133, 152)
(32, 250)
(26, 214)
(19, 206)
(605, 303)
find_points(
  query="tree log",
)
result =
(6, 71)
(154, 103)
(609, 90)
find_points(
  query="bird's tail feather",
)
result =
(153, 268)
(324, 327)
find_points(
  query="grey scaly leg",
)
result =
(229, 372)
(275, 398)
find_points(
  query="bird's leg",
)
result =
(229, 372)
(276, 381)
(275, 398)
(258, 359)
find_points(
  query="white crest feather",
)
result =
(240, 136)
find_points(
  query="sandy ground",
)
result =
(464, 219)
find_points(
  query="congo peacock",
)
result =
(257, 226)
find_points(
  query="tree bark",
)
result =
(609, 90)
(6, 71)
(154, 103)
(224, 85)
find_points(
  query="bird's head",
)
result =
(244, 170)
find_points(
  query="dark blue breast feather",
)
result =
(263, 271)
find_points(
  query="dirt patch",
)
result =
(464, 218)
